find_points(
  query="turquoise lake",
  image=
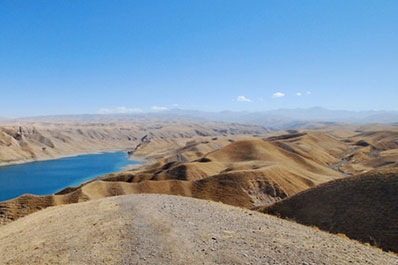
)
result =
(48, 177)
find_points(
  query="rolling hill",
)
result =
(245, 173)
(363, 207)
(302, 175)
(32, 141)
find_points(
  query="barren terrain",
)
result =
(255, 169)
(363, 207)
(161, 229)
(245, 173)
(31, 141)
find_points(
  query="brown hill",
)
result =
(40, 141)
(235, 169)
(363, 207)
(370, 147)
(251, 171)
(346, 149)
(308, 151)
(160, 229)
(385, 139)
(245, 173)
(254, 167)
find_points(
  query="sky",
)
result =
(73, 57)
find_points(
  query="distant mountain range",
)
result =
(278, 119)
(3, 120)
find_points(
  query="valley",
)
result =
(251, 168)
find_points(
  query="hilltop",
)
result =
(160, 229)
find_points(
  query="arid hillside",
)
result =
(160, 229)
(31, 141)
(246, 173)
(369, 149)
(363, 207)
(255, 171)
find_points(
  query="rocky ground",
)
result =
(163, 229)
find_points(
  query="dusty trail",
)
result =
(162, 229)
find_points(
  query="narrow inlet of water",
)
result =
(51, 176)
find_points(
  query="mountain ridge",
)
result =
(278, 119)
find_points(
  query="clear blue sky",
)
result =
(67, 57)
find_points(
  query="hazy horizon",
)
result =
(127, 111)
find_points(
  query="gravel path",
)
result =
(162, 229)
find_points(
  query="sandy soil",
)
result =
(162, 229)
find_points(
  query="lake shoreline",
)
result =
(72, 154)
(49, 176)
